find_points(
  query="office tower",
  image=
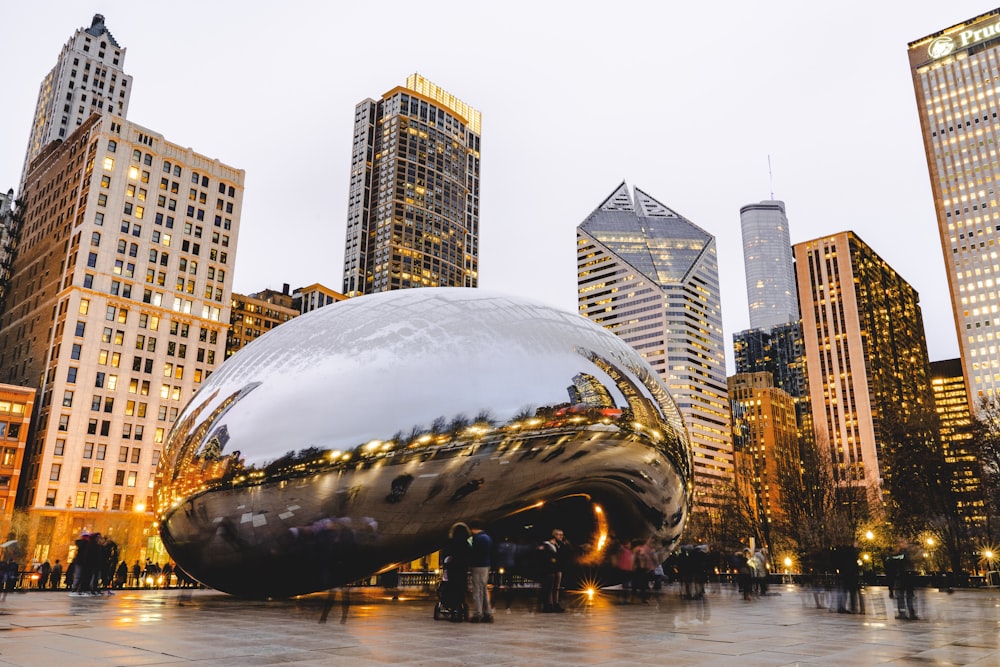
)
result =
(16, 406)
(774, 342)
(957, 437)
(780, 351)
(865, 350)
(767, 261)
(253, 315)
(765, 442)
(10, 231)
(413, 208)
(119, 309)
(954, 73)
(88, 78)
(651, 276)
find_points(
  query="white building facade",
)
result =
(120, 299)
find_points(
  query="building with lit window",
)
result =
(957, 434)
(119, 307)
(16, 405)
(866, 353)
(765, 441)
(413, 205)
(767, 262)
(954, 77)
(651, 276)
(253, 315)
(774, 342)
(88, 78)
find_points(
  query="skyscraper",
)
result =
(87, 78)
(954, 73)
(413, 208)
(767, 261)
(866, 353)
(957, 438)
(119, 308)
(774, 342)
(651, 276)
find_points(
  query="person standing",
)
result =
(44, 572)
(482, 550)
(55, 578)
(555, 553)
(456, 558)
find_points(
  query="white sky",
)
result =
(685, 100)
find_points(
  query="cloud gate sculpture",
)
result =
(350, 439)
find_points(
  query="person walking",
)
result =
(482, 551)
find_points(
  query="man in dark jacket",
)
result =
(482, 552)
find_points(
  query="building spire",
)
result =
(770, 176)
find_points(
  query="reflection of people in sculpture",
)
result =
(398, 488)
(467, 488)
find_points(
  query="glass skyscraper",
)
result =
(651, 276)
(767, 261)
(413, 209)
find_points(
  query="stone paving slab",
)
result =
(204, 627)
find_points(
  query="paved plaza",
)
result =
(203, 627)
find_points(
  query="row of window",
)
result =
(83, 500)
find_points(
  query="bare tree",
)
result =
(923, 488)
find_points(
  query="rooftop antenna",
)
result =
(770, 176)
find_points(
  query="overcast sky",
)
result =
(684, 100)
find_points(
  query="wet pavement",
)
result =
(203, 627)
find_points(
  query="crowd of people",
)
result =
(95, 568)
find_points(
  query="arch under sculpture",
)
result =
(350, 439)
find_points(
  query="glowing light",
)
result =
(869, 535)
(788, 561)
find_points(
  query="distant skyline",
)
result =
(688, 102)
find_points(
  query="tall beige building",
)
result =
(118, 311)
(87, 78)
(955, 74)
(866, 352)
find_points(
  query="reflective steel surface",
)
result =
(351, 438)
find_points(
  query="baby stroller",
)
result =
(450, 604)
